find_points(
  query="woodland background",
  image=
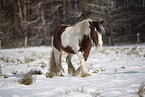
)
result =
(32, 22)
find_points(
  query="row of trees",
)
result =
(35, 20)
(122, 17)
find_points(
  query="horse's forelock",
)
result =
(96, 32)
(98, 26)
(102, 29)
(94, 36)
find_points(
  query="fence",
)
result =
(124, 39)
(21, 43)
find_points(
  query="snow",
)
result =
(117, 71)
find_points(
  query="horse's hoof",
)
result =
(77, 74)
(71, 73)
(59, 73)
(50, 75)
(62, 75)
(85, 75)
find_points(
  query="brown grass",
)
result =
(83, 91)
(141, 90)
(27, 79)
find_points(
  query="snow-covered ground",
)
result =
(117, 71)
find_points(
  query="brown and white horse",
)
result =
(77, 39)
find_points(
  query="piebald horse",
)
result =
(77, 39)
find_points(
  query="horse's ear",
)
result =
(102, 22)
(90, 22)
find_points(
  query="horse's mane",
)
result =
(102, 30)
(82, 27)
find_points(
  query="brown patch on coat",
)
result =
(57, 37)
(57, 40)
(85, 46)
(68, 49)
(86, 42)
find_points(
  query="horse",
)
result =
(77, 39)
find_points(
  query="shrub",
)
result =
(27, 79)
(141, 90)
(5, 76)
(14, 72)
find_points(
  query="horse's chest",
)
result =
(75, 43)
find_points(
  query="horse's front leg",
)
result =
(71, 68)
(81, 70)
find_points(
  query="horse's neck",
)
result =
(81, 28)
(75, 33)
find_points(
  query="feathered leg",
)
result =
(81, 70)
(71, 68)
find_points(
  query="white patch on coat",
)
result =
(100, 42)
(72, 35)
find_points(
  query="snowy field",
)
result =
(117, 71)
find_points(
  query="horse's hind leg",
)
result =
(57, 55)
(71, 68)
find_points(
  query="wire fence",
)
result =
(124, 39)
(117, 40)
(21, 43)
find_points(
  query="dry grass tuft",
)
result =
(83, 91)
(50, 75)
(27, 79)
(141, 90)
(0, 70)
(5, 76)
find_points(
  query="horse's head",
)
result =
(96, 32)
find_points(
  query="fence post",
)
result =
(0, 44)
(26, 40)
(109, 39)
(138, 40)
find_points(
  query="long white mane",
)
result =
(82, 27)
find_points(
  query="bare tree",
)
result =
(32, 22)
(43, 23)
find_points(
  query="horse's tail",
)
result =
(52, 63)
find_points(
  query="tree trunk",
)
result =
(24, 23)
(26, 39)
(57, 13)
(109, 21)
(4, 4)
(64, 11)
(20, 14)
(0, 44)
(43, 23)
